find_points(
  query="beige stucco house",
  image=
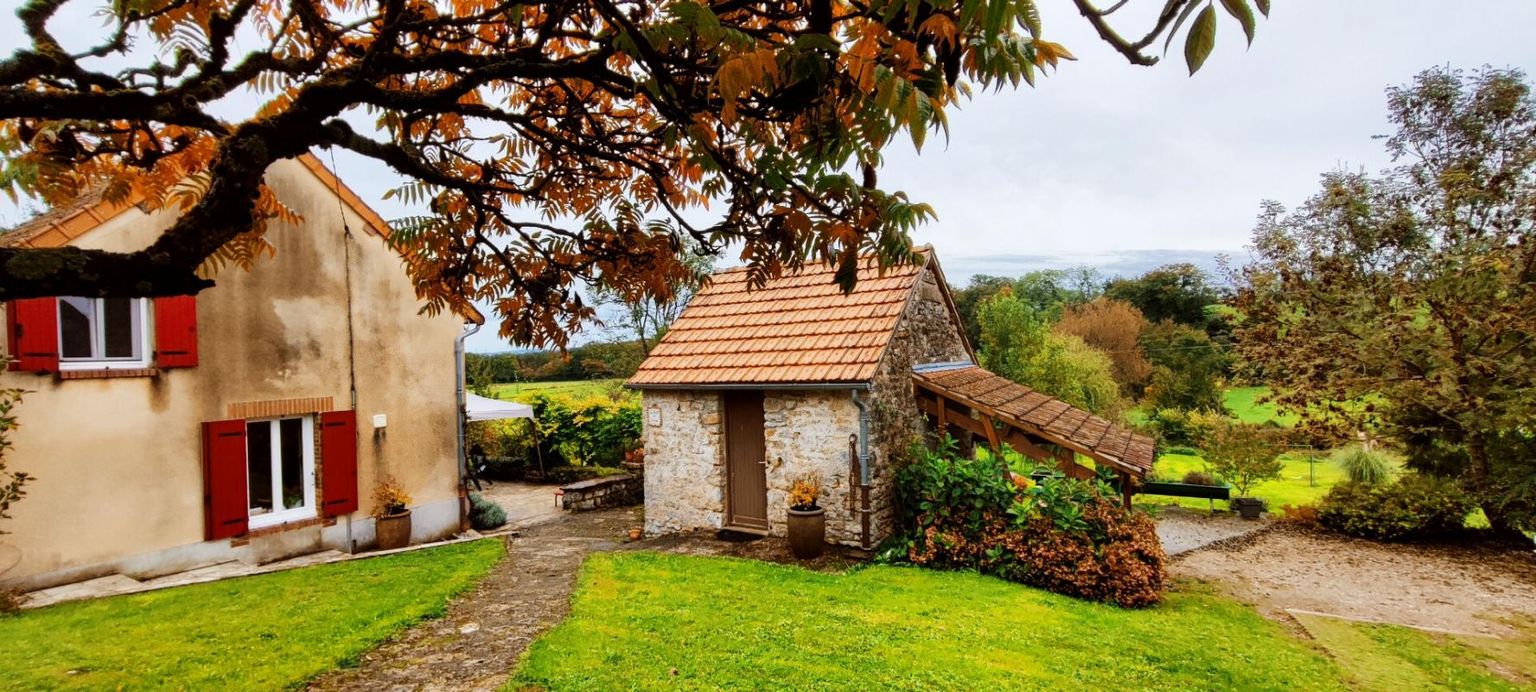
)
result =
(751, 388)
(250, 422)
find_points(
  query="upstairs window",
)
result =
(103, 333)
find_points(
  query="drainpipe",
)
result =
(458, 371)
(864, 470)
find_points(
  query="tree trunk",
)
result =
(1486, 495)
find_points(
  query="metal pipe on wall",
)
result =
(458, 372)
(864, 470)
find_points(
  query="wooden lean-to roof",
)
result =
(798, 329)
(1037, 415)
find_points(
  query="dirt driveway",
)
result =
(1456, 588)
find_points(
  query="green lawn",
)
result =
(567, 388)
(1243, 403)
(1388, 657)
(1299, 482)
(655, 621)
(264, 632)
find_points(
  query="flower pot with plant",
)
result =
(807, 520)
(392, 518)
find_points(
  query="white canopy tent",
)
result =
(478, 408)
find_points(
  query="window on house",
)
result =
(103, 332)
(280, 470)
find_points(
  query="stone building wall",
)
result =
(928, 332)
(807, 432)
(684, 460)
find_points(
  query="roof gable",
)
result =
(66, 223)
(798, 329)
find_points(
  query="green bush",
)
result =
(1182, 429)
(1061, 534)
(485, 515)
(586, 430)
(1416, 507)
(1364, 466)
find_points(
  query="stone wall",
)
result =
(597, 493)
(684, 460)
(807, 432)
(929, 332)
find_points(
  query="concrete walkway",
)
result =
(476, 645)
(526, 504)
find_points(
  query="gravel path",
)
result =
(1450, 587)
(476, 645)
(1183, 530)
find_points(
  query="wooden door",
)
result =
(746, 479)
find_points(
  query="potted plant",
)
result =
(1245, 455)
(392, 516)
(807, 521)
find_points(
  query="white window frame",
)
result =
(306, 476)
(98, 339)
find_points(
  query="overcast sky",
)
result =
(1124, 167)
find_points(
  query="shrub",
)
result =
(485, 515)
(1416, 507)
(1200, 478)
(1061, 534)
(1183, 450)
(1364, 466)
(570, 474)
(1181, 428)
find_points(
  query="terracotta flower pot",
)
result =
(636, 533)
(393, 531)
(807, 532)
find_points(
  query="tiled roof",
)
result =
(797, 329)
(1046, 416)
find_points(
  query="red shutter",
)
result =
(176, 332)
(338, 462)
(226, 504)
(32, 334)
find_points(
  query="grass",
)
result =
(567, 388)
(1388, 657)
(262, 632)
(1243, 402)
(1298, 484)
(653, 621)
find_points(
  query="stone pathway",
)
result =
(476, 645)
(1183, 530)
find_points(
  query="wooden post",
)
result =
(1126, 481)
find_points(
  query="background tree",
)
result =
(1177, 292)
(1018, 343)
(1046, 291)
(554, 143)
(648, 316)
(1188, 368)
(1114, 327)
(1406, 300)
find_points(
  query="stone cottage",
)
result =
(750, 389)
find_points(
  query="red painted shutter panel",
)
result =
(226, 503)
(338, 462)
(32, 334)
(176, 332)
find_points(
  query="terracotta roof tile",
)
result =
(797, 329)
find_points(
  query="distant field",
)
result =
(567, 388)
